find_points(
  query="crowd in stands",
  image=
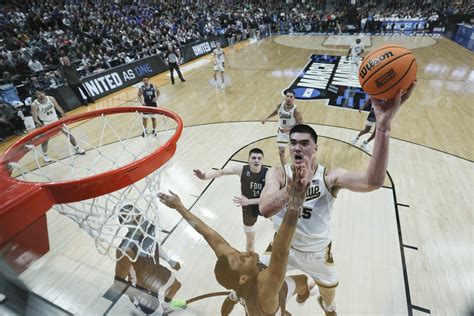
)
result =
(97, 36)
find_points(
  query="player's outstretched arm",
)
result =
(215, 241)
(274, 195)
(374, 177)
(235, 170)
(244, 201)
(271, 280)
(275, 112)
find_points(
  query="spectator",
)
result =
(69, 73)
(35, 65)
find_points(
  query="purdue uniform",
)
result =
(356, 51)
(219, 59)
(311, 246)
(46, 111)
(251, 185)
(286, 119)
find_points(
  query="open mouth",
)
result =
(298, 158)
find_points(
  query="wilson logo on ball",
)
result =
(374, 62)
(386, 77)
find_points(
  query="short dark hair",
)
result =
(305, 129)
(256, 151)
(290, 91)
(225, 276)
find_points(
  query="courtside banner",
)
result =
(117, 78)
(201, 48)
(329, 77)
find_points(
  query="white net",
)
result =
(128, 216)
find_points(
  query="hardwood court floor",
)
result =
(404, 248)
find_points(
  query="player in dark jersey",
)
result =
(368, 125)
(153, 286)
(261, 291)
(252, 181)
(147, 95)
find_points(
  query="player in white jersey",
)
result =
(219, 59)
(288, 116)
(311, 245)
(43, 110)
(355, 51)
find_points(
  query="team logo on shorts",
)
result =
(329, 77)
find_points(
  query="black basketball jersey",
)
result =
(251, 184)
(149, 94)
(135, 238)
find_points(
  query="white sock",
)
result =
(331, 307)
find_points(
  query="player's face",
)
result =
(301, 145)
(146, 80)
(289, 98)
(244, 262)
(218, 45)
(256, 160)
(40, 95)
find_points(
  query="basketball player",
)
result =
(43, 110)
(147, 95)
(311, 246)
(288, 116)
(252, 180)
(147, 276)
(172, 56)
(368, 125)
(355, 51)
(219, 59)
(261, 290)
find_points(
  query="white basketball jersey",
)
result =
(356, 49)
(313, 231)
(286, 118)
(219, 54)
(46, 111)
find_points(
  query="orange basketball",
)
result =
(386, 70)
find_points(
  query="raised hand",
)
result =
(385, 110)
(298, 184)
(198, 173)
(171, 200)
(241, 201)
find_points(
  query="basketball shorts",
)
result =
(249, 216)
(319, 265)
(150, 115)
(219, 67)
(282, 139)
(371, 119)
(355, 59)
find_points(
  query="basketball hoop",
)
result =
(120, 169)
